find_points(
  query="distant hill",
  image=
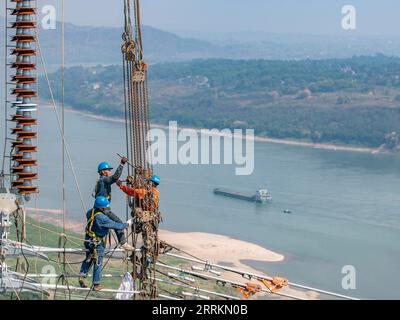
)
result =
(101, 45)
(347, 101)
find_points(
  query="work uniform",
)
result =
(103, 188)
(140, 194)
(97, 228)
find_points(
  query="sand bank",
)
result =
(214, 248)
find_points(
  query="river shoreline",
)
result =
(290, 142)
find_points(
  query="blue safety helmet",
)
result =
(155, 179)
(101, 202)
(104, 166)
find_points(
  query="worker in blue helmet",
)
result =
(107, 178)
(103, 189)
(156, 180)
(140, 193)
(97, 228)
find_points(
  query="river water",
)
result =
(345, 206)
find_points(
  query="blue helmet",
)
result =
(104, 166)
(155, 179)
(101, 203)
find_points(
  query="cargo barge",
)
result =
(261, 195)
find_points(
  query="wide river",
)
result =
(345, 206)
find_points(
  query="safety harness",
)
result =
(92, 235)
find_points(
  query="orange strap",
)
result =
(275, 284)
(250, 290)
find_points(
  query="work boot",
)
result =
(127, 247)
(82, 282)
(97, 287)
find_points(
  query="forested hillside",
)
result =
(350, 101)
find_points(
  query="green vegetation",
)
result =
(345, 101)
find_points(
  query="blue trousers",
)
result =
(120, 233)
(91, 260)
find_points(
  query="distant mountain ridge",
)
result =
(101, 45)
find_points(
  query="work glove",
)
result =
(118, 183)
(124, 160)
(130, 222)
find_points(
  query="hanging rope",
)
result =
(60, 126)
(137, 124)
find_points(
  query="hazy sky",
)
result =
(277, 16)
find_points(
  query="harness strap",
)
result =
(96, 240)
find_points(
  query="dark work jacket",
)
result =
(103, 186)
